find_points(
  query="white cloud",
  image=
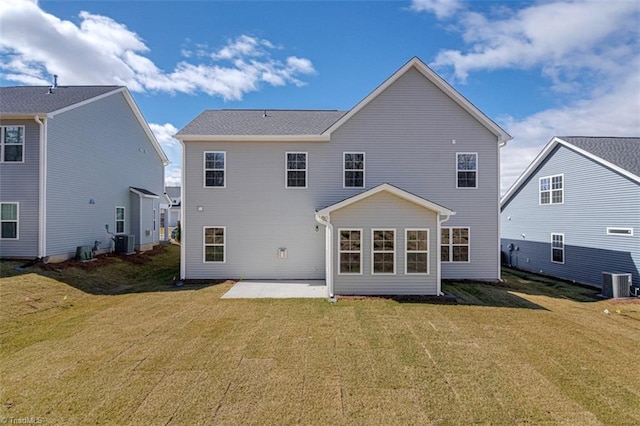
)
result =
(586, 51)
(441, 8)
(99, 50)
(164, 134)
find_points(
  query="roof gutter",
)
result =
(252, 138)
(42, 207)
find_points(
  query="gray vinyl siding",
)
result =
(19, 182)
(595, 198)
(96, 152)
(385, 211)
(406, 133)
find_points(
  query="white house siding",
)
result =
(594, 198)
(385, 211)
(406, 133)
(19, 182)
(96, 152)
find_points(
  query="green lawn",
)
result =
(118, 343)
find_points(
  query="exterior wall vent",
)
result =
(615, 285)
(125, 244)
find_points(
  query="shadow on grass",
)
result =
(505, 294)
(157, 270)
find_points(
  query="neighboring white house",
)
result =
(574, 213)
(174, 214)
(74, 161)
(389, 197)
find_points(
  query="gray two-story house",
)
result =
(574, 213)
(79, 166)
(388, 197)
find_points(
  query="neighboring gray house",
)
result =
(386, 198)
(574, 213)
(74, 159)
(173, 215)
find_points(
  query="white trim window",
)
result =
(552, 189)
(350, 252)
(416, 251)
(120, 220)
(467, 170)
(383, 251)
(353, 170)
(625, 232)
(12, 144)
(215, 167)
(296, 169)
(557, 248)
(215, 244)
(455, 245)
(9, 221)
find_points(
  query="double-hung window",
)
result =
(467, 170)
(552, 189)
(214, 244)
(454, 245)
(12, 144)
(9, 221)
(350, 251)
(214, 169)
(296, 164)
(120, 220)
(557, 248)
(417, 251)
(383, 248)
(353, 166)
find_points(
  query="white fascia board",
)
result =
(501, 134)
(136, 111)
(85, 102)
(524, 176)
(542, 156)
(597, 159)
(392, 190)
(142, 194)
(145, 126)
(252, 138)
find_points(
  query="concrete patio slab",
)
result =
(277, 289)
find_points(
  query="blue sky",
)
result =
(537, 68)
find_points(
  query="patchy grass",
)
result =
(119, 344)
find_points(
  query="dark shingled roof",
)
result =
(622, 152)
(26, 100)
(261, 122)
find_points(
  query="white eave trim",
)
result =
(142, 194)
(542, 156)
(502, 136)
(252, 138)
(385, 187)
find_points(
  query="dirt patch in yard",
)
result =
(137, 258)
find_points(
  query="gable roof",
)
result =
(433, 77)
(39, 100)
(271, 125)
(620, 154)
(47, 102)
(394, 190)
(259, 123)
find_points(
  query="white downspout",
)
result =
(42, 207)
(501, 143)
(325, 220)
(439, 252)
(183, 214)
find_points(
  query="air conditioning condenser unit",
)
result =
(615, 285)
